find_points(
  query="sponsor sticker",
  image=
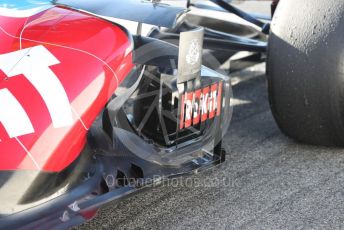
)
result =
(200, 105)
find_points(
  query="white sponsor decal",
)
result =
(194, 52)
(34, 63)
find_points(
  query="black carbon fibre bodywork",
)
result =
(134, 10)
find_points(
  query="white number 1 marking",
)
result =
(34, 64)
(13, 116)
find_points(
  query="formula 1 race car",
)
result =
(92, 111)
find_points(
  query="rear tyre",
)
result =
(305, 69)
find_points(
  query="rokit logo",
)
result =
(200, 105)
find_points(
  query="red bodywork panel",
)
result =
(94, 57)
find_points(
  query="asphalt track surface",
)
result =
(267, 182)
